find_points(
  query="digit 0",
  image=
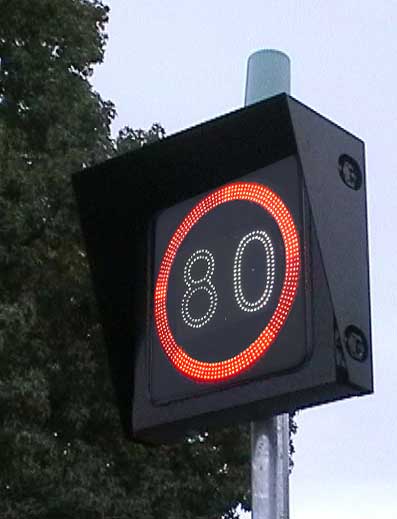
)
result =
(243, 303)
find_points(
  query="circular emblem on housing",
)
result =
(350, 172)
(356, 343)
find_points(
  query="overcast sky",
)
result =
(182, 62)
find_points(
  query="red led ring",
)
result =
(225, 369)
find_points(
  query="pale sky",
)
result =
(183, 62)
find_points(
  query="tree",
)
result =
(62, 453)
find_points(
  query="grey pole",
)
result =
(268, 74)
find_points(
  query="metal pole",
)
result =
(268, 74)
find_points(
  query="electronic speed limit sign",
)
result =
(230, 265)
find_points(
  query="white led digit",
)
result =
(243, 303)
(196, 285)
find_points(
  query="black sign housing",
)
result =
(130, 209)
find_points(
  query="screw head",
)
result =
(356, 343)
(350, 172)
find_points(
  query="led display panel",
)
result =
(227, 271)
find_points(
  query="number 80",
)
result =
(205, 284)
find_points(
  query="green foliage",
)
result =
(62, 454)
(48, 49)
(129, 139)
